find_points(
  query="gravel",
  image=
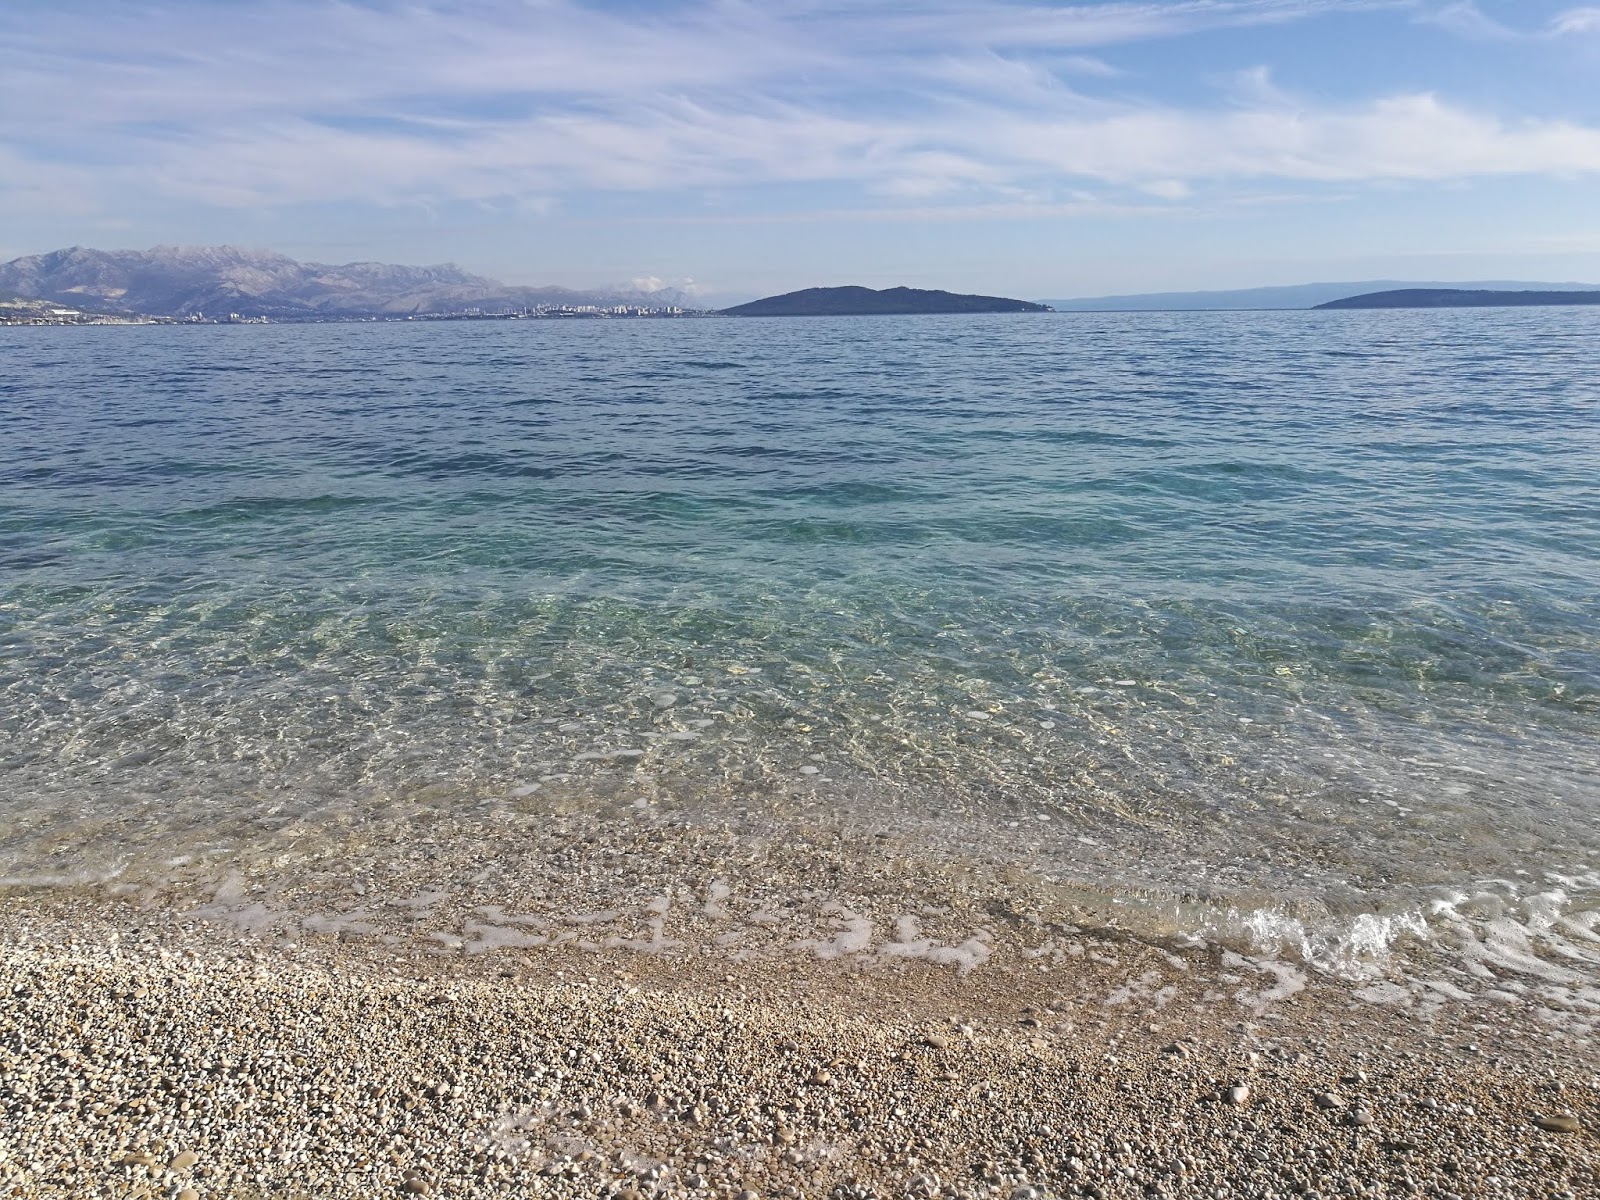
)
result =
(170, 1062)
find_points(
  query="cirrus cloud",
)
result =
(981, 102)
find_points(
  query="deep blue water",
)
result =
(1298, 601)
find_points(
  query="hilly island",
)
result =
(1462, 298)
(864, 301)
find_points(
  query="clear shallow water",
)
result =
(1286, 622)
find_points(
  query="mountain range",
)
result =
(181, 281)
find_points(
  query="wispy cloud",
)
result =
(1466, 18)
(982, 105)
(1577, 20)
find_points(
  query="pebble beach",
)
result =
(147, 1057)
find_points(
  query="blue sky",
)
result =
(1025, 148)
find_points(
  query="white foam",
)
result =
(716, 893)
(1359, 947)
(654, 942)
(910, 943)
(357, 921)
(854, 936)
(591, 918)
(481, 937)
(1385, 992)
(1290, 980)
(1149, 989)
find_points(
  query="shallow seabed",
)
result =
(869, 638)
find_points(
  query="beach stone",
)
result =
(417, 1187)
(810, 770)
(188, 1194)
(183, 1160)
(1361, 1116)
(664, 699)
(1561, 1123)
(1329, 1100)
(1237, 1095)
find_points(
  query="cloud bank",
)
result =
(972, 104)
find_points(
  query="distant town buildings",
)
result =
(42, 312)
(557, 311)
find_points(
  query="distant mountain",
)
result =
(1461, 298)
(862, 301)
(178, 281)
(1304, 295)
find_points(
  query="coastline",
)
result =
(132, 1040)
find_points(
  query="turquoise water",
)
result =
(1259, 610)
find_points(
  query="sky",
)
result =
(742, 147)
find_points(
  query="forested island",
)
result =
(864, 301)
(1460, 298)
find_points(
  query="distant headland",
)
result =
(864, 301)
(1461, 298)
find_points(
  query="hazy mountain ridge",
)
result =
(1299, 295)
(1464, 298)
(179, 281)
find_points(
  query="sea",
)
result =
(841, 636)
